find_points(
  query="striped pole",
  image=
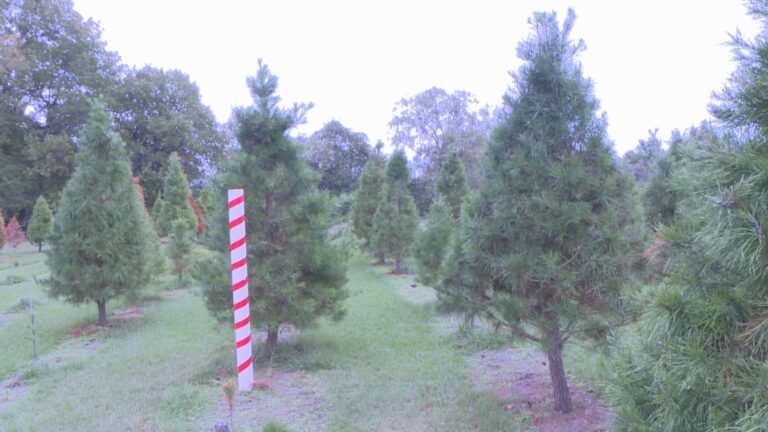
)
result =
(242, 310)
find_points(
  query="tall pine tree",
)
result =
(296, 275)
(547, 234)
(101, 242)
(699, 359)
(41, 223)
(367, 201)
(396, 219)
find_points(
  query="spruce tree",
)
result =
(41, 223)
(367, 200)
(3, 234)
(297, 275)
(175, 204)
(697, 361)
(452, 184)
(548, 231)
(101, 241)
(396, 218)
(15, 233)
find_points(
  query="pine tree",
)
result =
(548, 234)
(367, 201)
(175, 205)
(396, 218)
(15, 233)
(41, 223)
(101, 242)
(156, 212)
(180, 248)
(444, 213)
(3, 234)
(452, 184)
(697, 361)
(298, 276)
(432, 243)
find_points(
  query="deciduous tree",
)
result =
(339, 155)
(15, 233)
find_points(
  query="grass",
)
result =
(384, 367)
(394, 372)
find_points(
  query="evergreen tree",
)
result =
(369, 195)
(698, 359)
(180, 247)
(101, 242)
(452, 184)
(3, 234)
(396, 218)
(175, 205)
(156, 212)
(41, 224)
(15, 233)
(432, 243)
(547, 236)
(297, 275)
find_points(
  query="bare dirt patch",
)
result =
(10, 390)
(120, 318)
(296, 399)
(520, 376)
(172, 294)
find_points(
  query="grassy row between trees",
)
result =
(382, 367)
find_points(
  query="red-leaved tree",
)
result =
(15, 233)
(201, 225)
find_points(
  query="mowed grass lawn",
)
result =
(383, 367)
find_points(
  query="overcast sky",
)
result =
(654, 63)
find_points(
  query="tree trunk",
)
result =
(102, 304)
(381, 257)
(398, 264)
(561, 393)
(271, 340)
(39, 247)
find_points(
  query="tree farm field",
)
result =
(393, 364)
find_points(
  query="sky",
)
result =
(654, 64)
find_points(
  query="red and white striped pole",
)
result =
(242, 311)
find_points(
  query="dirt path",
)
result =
(520, 376)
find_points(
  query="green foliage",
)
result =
(274, 427)
(641, 162)
(41, 224)
(452, 184)
(297, 275)
(543, 250)
(101, 246)
(368, 197)
(161, 112)
(432, 242)
(396, 218)
(175, 206)
(53, 62)
(698, 359)
(339, 155)
(180, 247)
